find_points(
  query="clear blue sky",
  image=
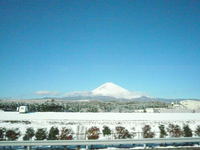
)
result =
(74, 45)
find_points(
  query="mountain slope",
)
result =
(113, 90)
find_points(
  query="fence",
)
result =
(97, 142)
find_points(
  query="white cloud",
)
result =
(78, 93)
(51, 93)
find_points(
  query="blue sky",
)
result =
(63, 46)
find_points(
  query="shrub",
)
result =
(106, 130)
(2, 134)
(187, 132)
(93, 133)
(147, 133)
(197, 131)
(12, 134)
(53, 133)
(66, 134)
(174, 130)
(163, 133)
(29, 134)
(122, 133)
(41, 134)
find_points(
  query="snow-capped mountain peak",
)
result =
(113, 90)
(108, 88)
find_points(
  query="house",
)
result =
(139, 110)
(150, 110)
(146, 110)
(23, 109)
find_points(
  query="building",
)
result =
(23, 109)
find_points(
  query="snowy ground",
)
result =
(80, 122)
(100, 116)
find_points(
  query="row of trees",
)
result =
(174, 130)
(93, 106)
(94, 132)
(39, 134)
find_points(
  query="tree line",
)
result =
(76, 106)
(120, 132)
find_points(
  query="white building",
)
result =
(149, 110)
(139, 110)
(146, 110)
(23, 109)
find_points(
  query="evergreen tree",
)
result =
(122, 133)
(197, 131)
(53, 133)
(12, 134)
(187, 132)
(147, 133)
(2, 134)
(163, 133)
(66, 134)
(93, 133)
(41, 134)
(106, 130)
(174, 130)
(29, 134)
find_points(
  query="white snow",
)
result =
(80, 122)
(100, 116)
(113, 90)
(191, 104)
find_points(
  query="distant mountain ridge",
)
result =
(112, 92)
(107, 91)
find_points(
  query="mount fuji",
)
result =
(107, 91)
(112, 90)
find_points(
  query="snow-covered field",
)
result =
(100, 116)
(80, 122)
(191, 104)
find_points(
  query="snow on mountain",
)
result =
(113, 90)
(107, 90)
